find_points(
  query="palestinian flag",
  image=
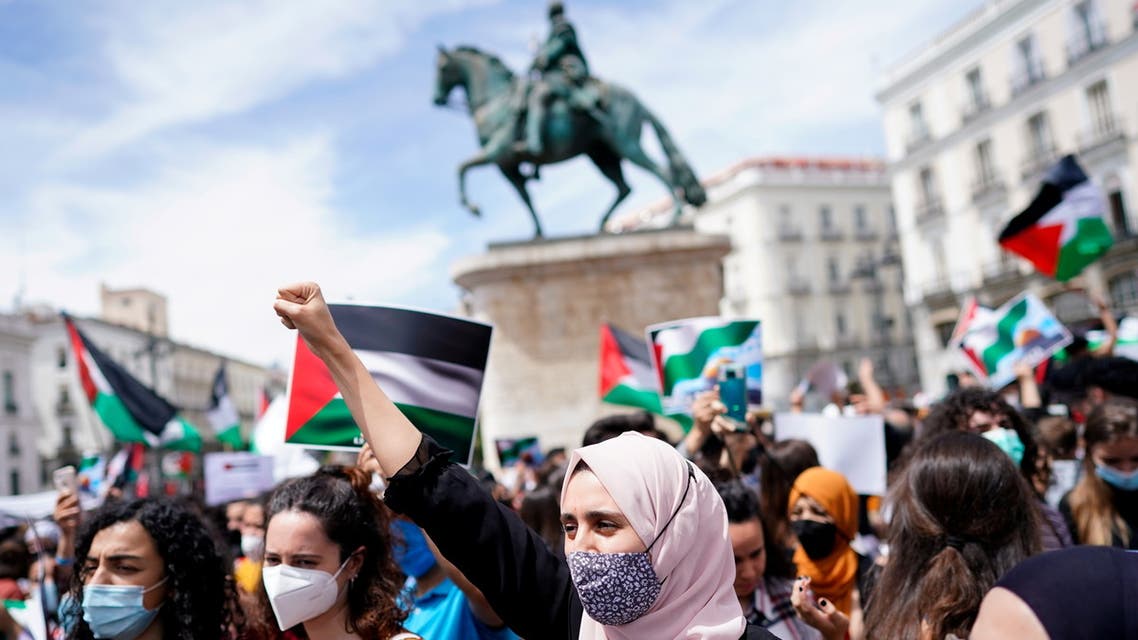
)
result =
(1062, 230)
(1126, 344)
(222, 414)
(128, 408)
(687, 354)
(263, 402)
(431, 366)
(131, 410)
(626, 371)
(1022, 330)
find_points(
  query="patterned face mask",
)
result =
(618, 588)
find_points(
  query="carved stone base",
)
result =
(547, 300)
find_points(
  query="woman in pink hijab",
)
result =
(647, 553)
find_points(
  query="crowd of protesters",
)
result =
(1009, 514)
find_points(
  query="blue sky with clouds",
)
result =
(212, 150)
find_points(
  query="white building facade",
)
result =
(20, 468)
(815, 259)
(973, 119)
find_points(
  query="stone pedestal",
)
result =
(548, 299)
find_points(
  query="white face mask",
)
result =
(252, 546)
(297, 595)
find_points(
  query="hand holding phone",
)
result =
(64, 479)
(733, 392)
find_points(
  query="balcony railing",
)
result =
(838, 287)
(830, 233)
(1000, 271)
(789, 234)
(865, 233)
(988, 185)
(918, 138)
(1103, 131)
(1085, 43)
(1028, 78)
(931, 209)
(1037, 162)
(976, 106)
(798, 287)
(64, 408)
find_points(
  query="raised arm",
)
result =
(1109, 325)
(391, 435)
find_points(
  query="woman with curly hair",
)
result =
(963, 516)
(149, 569)
(329, 571)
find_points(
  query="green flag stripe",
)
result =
(625, 395)
(333, 426)
(1005, 337)
(232, 437)
(1092, 239)
(115, 416)
(685, 366)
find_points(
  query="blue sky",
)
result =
(213, 150)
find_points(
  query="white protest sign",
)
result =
(852, 446)
(236, 476)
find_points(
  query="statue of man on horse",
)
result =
(565, 113)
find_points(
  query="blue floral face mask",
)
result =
(116, 612)
(1008, 441)
(1118, 479)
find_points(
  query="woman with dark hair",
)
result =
(1102, 509)
(764, 577)
(779, 466)
(329, 570)
(541, 513)
(150, 569)
(962, 517)
(985, 412)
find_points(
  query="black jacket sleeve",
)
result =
(526, 583)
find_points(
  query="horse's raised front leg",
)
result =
(478, 160)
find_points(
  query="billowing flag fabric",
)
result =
(1062, 230)
(128, 408)
(687, 354)
(626, 370)
(1022, 330)
(510, 450)
(263, 401)
(430, 365)
(222, 414)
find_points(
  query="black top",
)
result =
(528, 585)
(1125, 503)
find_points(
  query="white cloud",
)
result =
(218, 231)
(189, 62)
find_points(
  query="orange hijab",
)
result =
(834, 576)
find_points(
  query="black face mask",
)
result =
(817, 538)
(233, 537)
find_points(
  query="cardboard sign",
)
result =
(236, 475)
(852, 446)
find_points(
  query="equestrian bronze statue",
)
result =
(561, 113)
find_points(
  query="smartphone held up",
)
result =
(733, 393)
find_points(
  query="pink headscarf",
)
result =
(646, 478)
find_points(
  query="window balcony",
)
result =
(64, 408)
(974, 107)
(1102, 132)
(838, 288)
(931, 209)
(798, 287)
(789, 234)
(1084, 43)
(1000, 272)
(1028, 78)
(988, 186)
(866, 233)
(918, 138)
(1037, 162)
(830, 234)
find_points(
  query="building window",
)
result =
(977, 97)
(61, 357)
(840, 324)
(985, 171)
(10, 406)
(832, 270)
(917, 121)
(1039, 135)
(891, 214)
(1123, 291)
(944, 332)
(1118, 214)
(1028, 59)
(928, 185)
(68, 436)
(859, 217)
(1098, 108)
(825, 217)
(1070, 307)
(1087, 33)
(13, 445)
(14, 482)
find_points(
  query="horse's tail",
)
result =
(682, 174)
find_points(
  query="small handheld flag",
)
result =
(1062, 230)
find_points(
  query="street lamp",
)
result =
(867, 269)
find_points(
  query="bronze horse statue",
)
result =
(492, 96)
